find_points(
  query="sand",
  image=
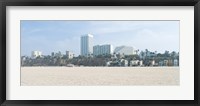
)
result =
(100, 76)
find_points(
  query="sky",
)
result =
(54, 36)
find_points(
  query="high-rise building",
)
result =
(126, 50)
(86, 45)
(96, 50)
(102, 49)
(35, 54)
(69, 54)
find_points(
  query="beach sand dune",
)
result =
(99, 76)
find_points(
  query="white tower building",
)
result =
(86, 45)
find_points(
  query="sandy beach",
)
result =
(100, 76)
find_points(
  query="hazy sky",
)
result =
(54, 36)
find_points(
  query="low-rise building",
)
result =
(166, 62)
(153, 62)
(160, 63)
(175, 62)
(136, 63)
(123, 62)
(69, 55)
(146, 53)
(126, 50)
(35, 54)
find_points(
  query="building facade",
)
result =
(126, 50)
(102, 49)
(147, 53)
(86, 45)
(35, 54)
(69, 55)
